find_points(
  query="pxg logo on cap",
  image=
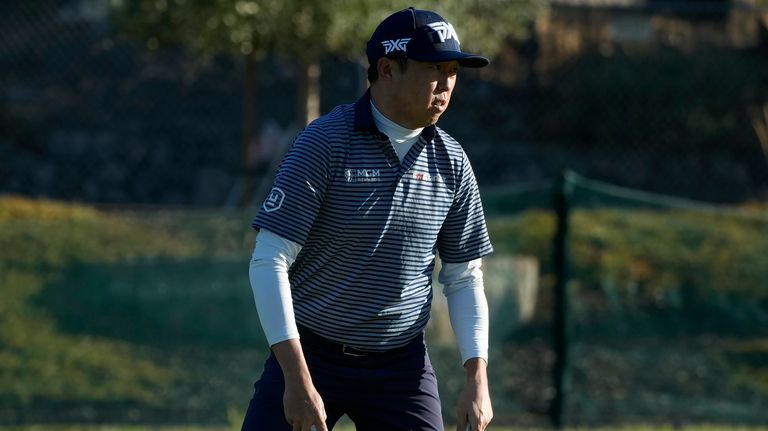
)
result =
(395, 45)
(421, 35)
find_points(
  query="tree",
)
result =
(245, 30)
(303, 31)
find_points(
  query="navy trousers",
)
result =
(390, 391)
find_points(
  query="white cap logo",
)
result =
(395, 45)
(444, 30)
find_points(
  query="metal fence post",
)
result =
(561, 332)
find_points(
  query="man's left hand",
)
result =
(474, 405)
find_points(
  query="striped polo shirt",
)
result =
(370, 225)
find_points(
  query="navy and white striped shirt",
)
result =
(370, 225)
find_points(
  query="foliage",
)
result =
(41, 233)
(350, 427)
(485, 25)
(160, 310)
(667, 258)
(528, 233)
(37, 239)
(38, 362)
(666, 100)
(240, 28)
(163, 303)
(304, 30)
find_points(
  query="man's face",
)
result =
(422, 92)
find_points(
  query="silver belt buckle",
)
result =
(344, 350)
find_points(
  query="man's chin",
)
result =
(433, 119)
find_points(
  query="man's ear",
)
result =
(385, 67)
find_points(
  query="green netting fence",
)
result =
(646, 309)
(650, 308)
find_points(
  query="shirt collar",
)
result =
(363, 114)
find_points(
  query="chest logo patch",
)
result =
(274, 200)
(362, 175)
(425, 176)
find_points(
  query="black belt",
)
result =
(312, 339)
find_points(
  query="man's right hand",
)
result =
(304, 408)
(302, 403)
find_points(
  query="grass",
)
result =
(158, 305)
(350, 427)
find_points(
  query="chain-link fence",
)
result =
(144, 315)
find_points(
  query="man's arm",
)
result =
(468, 311)
(268, 273)
(301, 401)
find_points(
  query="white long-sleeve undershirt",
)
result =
(467, 307)
(268, 273)
(402, 138)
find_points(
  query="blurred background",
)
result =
(621, 147)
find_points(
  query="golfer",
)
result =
(341, 273)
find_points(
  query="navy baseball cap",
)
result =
(421, 35)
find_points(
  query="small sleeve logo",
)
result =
(274, 200)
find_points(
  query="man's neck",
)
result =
(383, 103)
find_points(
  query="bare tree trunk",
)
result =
(308, 107)
(362, 79)
(313, 92)
(248, 127)
(760, 124)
